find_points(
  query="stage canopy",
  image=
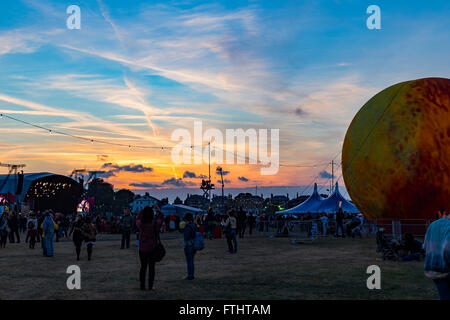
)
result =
(9, 183)
(43, 190)
(316, 204)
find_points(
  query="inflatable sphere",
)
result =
(396, 153)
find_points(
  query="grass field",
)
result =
(264, 268)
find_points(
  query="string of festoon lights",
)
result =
(162, 148)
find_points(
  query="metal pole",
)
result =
(209, 169)
(332, 175)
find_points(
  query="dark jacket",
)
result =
(77, 232)
(241, 217)
(149, 232)
(127, 223)
(340, 216)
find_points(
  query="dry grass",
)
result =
(263, 269)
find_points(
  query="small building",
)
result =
(197, 201)
(141, 202)
(222, 204)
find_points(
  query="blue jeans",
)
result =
(340, 225)
(443, 287)
(232, 242)
(125, 239)
(48, 245)
(189, 252)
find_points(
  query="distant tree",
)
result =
(103, 193)
(271, 208)
(121, 199)
(177, 201)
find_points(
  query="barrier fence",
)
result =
(397, 228)
(312, 230)
(315, 229)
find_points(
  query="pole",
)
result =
(223, 196)
(209, 160)
(332, 175)
(209, 169)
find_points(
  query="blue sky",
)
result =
(137, 70)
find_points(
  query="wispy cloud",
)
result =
(112, 169)
(133, 76)
(144, 185)
(193, 175)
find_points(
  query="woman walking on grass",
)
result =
(77, 234)
(149, 227)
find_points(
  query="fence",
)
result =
(397, 228)
(311, 230)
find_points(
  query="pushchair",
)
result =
(386, 246)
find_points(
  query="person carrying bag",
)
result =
(150, 248)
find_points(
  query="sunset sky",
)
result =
(138, 70)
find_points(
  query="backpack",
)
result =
(30, 225)
(159, 252)
(199, 241)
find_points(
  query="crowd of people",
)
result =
(48, 227)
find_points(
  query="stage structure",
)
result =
(42, 191)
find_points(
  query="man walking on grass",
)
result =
(126, 226)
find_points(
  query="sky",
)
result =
(138, 70)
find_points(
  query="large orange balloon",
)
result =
(396, 153)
